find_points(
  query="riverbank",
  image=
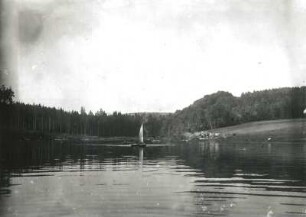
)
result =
(270, 131)
(275, 130)
(26, 136)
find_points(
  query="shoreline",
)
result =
(273, 130)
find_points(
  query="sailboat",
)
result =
(141, 142)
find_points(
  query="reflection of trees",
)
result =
(222, 160)
(18, 156)
(227, 170)
(5, 182)
(210, 147)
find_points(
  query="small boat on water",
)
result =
(141, 142)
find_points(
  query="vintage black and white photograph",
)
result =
(152, 108)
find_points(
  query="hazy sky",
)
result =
(154, 55)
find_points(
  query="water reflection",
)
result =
(210, 147)
(141, 155)
(269, 148)
(48, 178)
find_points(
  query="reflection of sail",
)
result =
(141, 155)
(269, 148)
(141, 134)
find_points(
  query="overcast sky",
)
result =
(153, 55)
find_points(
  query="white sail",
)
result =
(141, 134)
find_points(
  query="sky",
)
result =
(145, 55)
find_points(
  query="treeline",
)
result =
(18, 116)
(223, 109)
(212, 111)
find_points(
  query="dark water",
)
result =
(197, 179)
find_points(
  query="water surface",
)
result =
(196, 179)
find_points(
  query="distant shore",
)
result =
(268, 131)
(274, 130)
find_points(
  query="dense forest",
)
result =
(223, 109)
(16, 116)
(212, 111)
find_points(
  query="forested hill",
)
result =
(223, 109)
(212, 111)
(20, 117)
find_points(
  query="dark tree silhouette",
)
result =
(216, 110)
(6, 95)
(223, 109)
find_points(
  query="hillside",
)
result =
(213, 111)
(222, 109)
(275, 129)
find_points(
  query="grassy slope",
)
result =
(291, 128)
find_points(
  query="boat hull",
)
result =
(138, 145)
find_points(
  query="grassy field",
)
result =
(277, 129)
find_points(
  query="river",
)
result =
(210, 178)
